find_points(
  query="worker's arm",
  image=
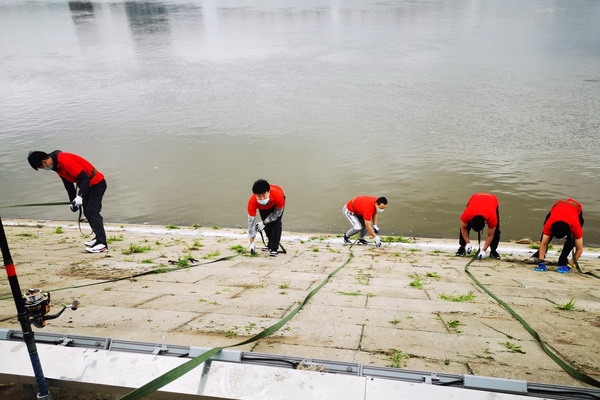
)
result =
(543, 246)
(578, 250)
(490, 237)
(369, 226)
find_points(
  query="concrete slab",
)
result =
(364, 314)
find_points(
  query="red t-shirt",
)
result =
(71, 165)
(363, 206)
(276, 199)
(483, 204)
(567, 211)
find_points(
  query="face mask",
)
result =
(263, 202)
(48, 168)
(380, 210)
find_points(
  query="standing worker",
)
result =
(362, 213)
(270, 202)
(91, 184)
(481, 209)
(565, 220)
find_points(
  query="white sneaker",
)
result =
(91, 243)
(99, 248)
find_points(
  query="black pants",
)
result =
(563, 259)
(495, 240)
(272, 229)
(92, 205)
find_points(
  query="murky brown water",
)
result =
(183, 105)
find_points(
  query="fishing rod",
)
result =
(32, 308)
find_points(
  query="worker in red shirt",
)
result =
(481, 209)
(362, 213)
(270, 202)
(77, 173)
(565, 220)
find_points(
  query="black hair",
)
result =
(261, 186)
(381, 200)
(477, 223)
(560, 229)
(35, 158)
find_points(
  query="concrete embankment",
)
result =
(408, 305)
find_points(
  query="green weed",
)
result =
(465, 297)
(212, 255)
(351, 293)
(434, 275)
(512, 347)
(397, 358)
(570, 305)
(115, 239)
(134, 248)
(454, 324)
(147, 261)
(362, 278)
(417, 281)
(59, 230)
(395, 321)
(238, 249)
(172, 227)
(396, 239)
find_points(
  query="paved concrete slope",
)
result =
(390, 306)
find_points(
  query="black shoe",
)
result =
(362, 241)
(266, 249)
(273, 253)
(347, 239)
(461, 251)
(494, 254)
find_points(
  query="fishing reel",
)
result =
(37, 304)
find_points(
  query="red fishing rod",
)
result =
(31, 308)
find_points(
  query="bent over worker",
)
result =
(362, 213)
(482, 209)
(270, 202)
(565, 220)
(77, 173)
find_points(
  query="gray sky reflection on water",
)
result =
(183, 105)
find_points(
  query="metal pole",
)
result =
(28, 335)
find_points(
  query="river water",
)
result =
(182, 105)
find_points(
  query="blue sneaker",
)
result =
(541, 267)
(563, 269)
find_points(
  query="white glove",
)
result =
(377, 241)
(482, 254)
(252, 248)
(468, 248)
(260, 226)
(376, 228)
(77, 201)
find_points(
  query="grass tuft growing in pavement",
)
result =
(512, 347)
(136, 248)
(570, 305)
(397, 358)
(465, 297)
